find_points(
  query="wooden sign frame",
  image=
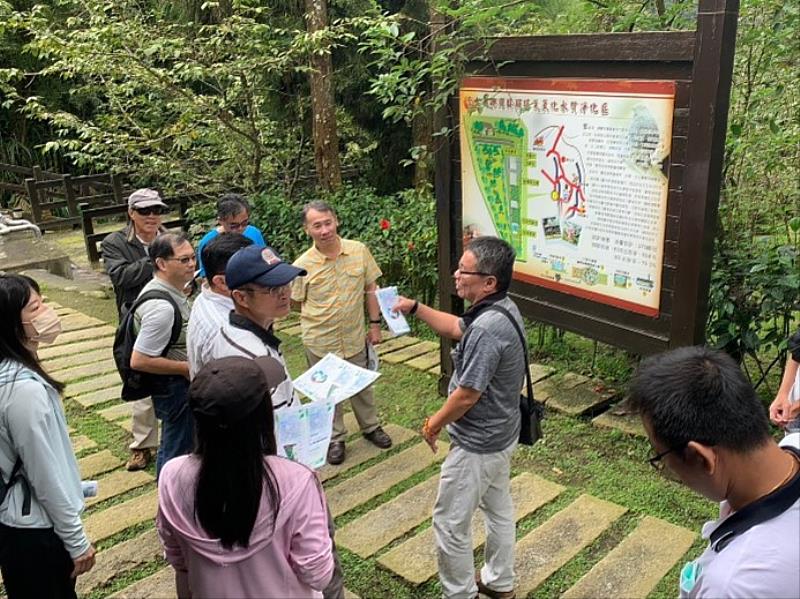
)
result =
(700, 63)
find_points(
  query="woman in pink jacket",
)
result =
(235, 520)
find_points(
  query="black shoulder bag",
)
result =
(531, 411)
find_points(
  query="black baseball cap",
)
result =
(229, 389)
(260, 265)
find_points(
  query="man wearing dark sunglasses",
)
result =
(126, 259)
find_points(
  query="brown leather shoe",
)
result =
(336, 453)
(139, 459)
(492, 594)
(379, 438)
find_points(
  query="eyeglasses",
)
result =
(156, 210)
(656, 460)
(184, 259)
(460, 272)
(237, 226)
(276, 291)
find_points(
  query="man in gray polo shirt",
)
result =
(482, 417)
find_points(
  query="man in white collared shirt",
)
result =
(214, 304)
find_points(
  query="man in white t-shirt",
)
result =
(213, 306)
(706, 424)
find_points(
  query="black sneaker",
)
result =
(336, 453)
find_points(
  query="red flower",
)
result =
(385, 224)
(410, 245)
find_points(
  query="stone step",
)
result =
(436, 370)
(117, 412)
(160, 585)
(415, 559)
(425, 361)
(621, 420)
(381, 477)
(82, 443)
(93, 384)
(361, 450)
(55, 352)
(573, 399)
(412, 351)
(117, 483)
(119, 559)
(389, 521)
(117, 518)
(78, 321)
(125, 424)
(62, 310)
(394, 344)
(635, 566)
(547, 548)
(78, 373)
(88, 400)
(293, 330)
(65, 361)
(98, 463)
(82, 335)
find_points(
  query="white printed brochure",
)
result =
(387, 298)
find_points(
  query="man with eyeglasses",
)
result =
(708, 426)
(259, 283)
(482, 417)
(128, 265)
(173, 261)
(233, 216)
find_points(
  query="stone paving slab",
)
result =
(117, 483)
(412, 351)
(394, 344)
(83, 335)
(160, 585)
(56, 352)
(635, 566)
(126, 425)
(627, 423)
(93, 384)
(78, 321)
(547, 548)
(97, 463)
(389, 521)
(78, 373)
(348, 594)
(82, 443)
(63, 310)
(573, 399)
(539, 372)
(293, 331)
(117, 412)
(63, 361)
(88, 400)
(425, 361)
(381, 477)
(436, 370)
(117, 518)
(119, 559)
(415, 559)
(361, 450)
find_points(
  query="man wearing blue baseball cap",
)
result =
(260, 285)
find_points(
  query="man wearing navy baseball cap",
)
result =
(260, 285)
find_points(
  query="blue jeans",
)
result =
(177, 423)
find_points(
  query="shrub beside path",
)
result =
(381, 499)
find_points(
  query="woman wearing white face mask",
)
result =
(43, 545)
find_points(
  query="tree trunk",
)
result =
(323, 108)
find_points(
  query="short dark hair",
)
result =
(219, 250)
(163, 246)
(319, 206)
(699, 394)
(232, 204)
(494, 256)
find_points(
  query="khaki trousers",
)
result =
(363, 403)
(145, 425)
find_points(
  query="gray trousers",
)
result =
(363, 403)
(470, 481)
(145, 425)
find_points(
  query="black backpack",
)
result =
(16, 477)
(135, 383)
